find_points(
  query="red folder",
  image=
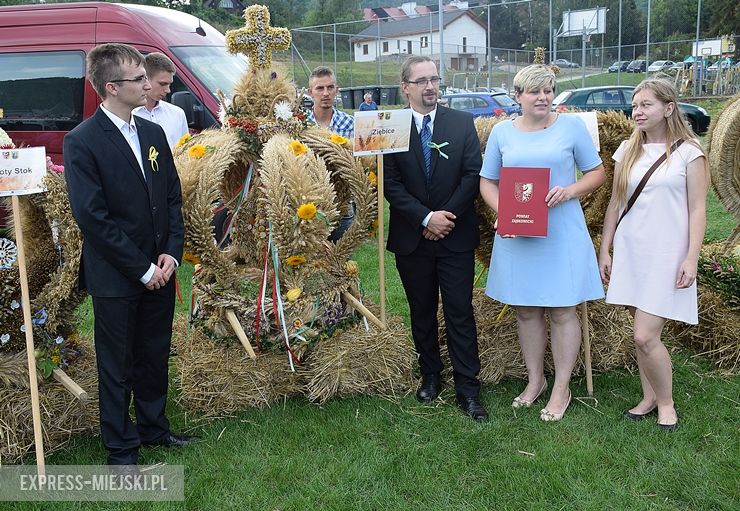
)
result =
(522, 210)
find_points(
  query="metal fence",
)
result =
(368, 52)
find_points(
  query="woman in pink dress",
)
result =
(657, 244)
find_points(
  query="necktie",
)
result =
(426, 137)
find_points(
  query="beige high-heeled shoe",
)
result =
(523, 403)
(548, 416)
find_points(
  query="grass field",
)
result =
(369, 453)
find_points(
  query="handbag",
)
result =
(645, 178)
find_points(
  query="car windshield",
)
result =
(213, 66)
(561, 97)
(503, 100)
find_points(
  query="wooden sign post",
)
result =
(382, 132)
(21, 173)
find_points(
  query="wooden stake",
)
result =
(381, 241)
(354, 302)
(587, 348)
(30, 350)
(239, 331)
(69, 384)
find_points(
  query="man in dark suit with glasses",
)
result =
(433, 232)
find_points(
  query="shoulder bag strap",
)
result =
(645, 178)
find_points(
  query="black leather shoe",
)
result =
(472, 408)
(429, 388)
(173, 440)
(124, 470)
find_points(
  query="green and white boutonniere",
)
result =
(439, 147)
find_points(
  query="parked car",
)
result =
(619, 65)
(491, 90)
(660, 65)
(619, 98)
(637, 66)
(483, 104)
(565, 63)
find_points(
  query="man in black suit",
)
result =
(434, 230)
(125, 195)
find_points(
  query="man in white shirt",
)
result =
(161, 72)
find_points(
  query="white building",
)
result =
(464, 39)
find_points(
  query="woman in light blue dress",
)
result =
(548, 275)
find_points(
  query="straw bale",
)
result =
(610, 330)
(215, 379)
(356, 361)
(724, 156)
(62, 415)
(716, 335)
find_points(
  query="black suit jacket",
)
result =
(453, 185)
(126, 221)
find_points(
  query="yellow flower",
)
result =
(295, 260)
(297, 148)
(197, 151)
(293, 294)
(373, 178)
(183, 139)
(306, 211)
(338, 139)
(191, 258)
(297, 323)
(56, 359)
(351, 267)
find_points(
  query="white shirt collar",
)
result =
(120, 123)
(419, 119)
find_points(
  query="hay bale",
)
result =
(723, 146)
(361, 362)
(500, 353)
(62, 415)
(716, 335)
(216, 380)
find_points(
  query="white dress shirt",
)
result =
(419, 121)
(170, 117)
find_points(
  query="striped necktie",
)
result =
(426, 137)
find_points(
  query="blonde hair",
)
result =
(675, 129)
(534, 77)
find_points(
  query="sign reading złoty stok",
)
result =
(382, 131)
(22, 171)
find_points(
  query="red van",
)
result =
(43, 91)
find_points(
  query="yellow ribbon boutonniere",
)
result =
(153, 154)
(439, 147)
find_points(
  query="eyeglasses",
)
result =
(434, 80)
(138, 79)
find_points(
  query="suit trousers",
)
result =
(132, 343)
(425, 273)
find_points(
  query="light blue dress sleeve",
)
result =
(585, 153)
(492, 160)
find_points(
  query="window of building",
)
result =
(465, 45)
(364, 49)
(42, 91)
(408, 47)
(424, 41)
(385, 46)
